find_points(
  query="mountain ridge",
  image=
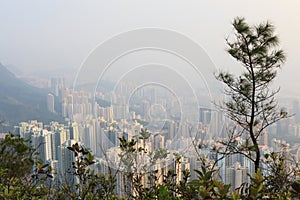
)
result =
(20, 101)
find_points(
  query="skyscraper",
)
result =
(50, 103)
(65, 160)
(236, 175)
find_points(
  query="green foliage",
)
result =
(16, 157)
(257, 189)
(154, 183)
(296, 188)
(21, 175)
(163, 192)
(145, 134)
(206, 185)
(281, 174)
(279, 181)
(251, 104)
(90, 185)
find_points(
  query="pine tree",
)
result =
(251, 104)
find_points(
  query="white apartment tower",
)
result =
(50, 102)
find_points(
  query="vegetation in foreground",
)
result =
(24, 177)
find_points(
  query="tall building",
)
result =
(205, 115)
(263, 138)
(159, 141)
(50, 103)
(230, 163)
(74, 132)
(146, 109)
(195, 164)
(296, 110)
(236, 175)
(65, 160)
(57, 85)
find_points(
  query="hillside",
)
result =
(20, 101)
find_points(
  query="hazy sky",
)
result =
(44, 35)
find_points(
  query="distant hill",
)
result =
(103, 103)
(22, 102)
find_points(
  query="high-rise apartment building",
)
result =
(50, 102)
(236, 175)
(65, 160)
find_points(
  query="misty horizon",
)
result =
(54, 38)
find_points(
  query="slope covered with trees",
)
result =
(20, 101)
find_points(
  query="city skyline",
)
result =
(139, 100)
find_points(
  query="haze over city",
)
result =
(149, 100)
(41, 38)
